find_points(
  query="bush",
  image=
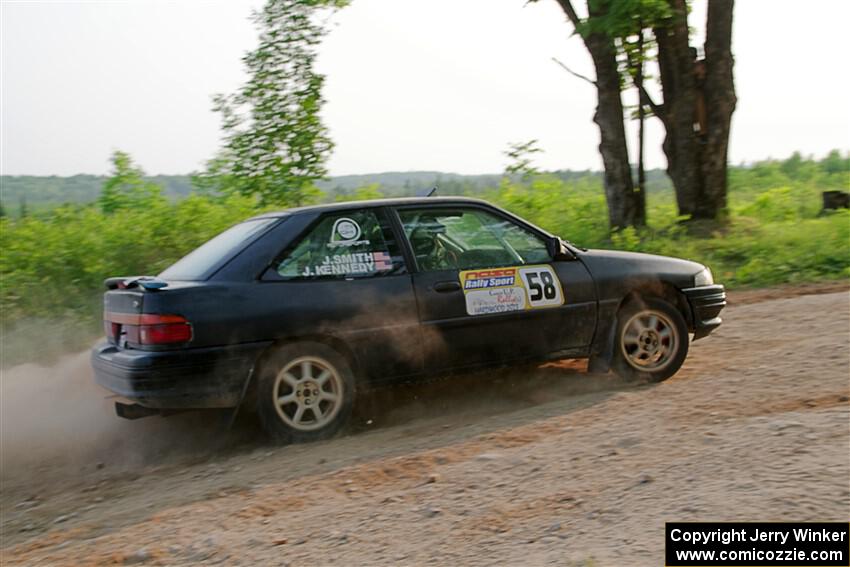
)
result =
(52, 265)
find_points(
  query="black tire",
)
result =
(651, 341)
(283, 375)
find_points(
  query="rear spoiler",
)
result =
(149, 283)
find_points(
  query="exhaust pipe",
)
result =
(134, 411)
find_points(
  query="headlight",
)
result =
(703, 278)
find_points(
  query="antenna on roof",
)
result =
(428, 193)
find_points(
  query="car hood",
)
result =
(634, 263)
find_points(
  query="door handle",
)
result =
(445, 287)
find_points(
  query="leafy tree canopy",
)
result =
(126, 188)
(275, 145)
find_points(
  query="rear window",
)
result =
(345, 245)
(197, 264)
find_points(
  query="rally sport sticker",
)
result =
(499, 290)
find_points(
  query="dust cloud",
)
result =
(58, 427)
(55, 422)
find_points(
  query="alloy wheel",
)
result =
(308, 393)
(649, 340)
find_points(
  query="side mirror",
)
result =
(558, 249)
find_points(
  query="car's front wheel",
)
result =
(651, 341)
(305, 392)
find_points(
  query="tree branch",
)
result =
(571, 72)
(567, 6)
(657, 109)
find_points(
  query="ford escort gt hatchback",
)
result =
(291, 313)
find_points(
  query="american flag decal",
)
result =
(383, 261)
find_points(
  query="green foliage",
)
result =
(623, 18)
(521, 156)
(776, 233)
(275, 145)
(127, 188)
(52, 267)
(836, 164)
(575, 210)
(791, 166)
(53, 263)
(779, 204)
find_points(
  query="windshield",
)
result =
(197, 264)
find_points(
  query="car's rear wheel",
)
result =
(651, 341)
(305, 392)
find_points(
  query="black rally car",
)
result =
(296, 310)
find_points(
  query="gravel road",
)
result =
(533, 466)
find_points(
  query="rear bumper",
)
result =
(192, 378)
(706, 304)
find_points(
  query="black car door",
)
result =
(488, 291)
(345, 279)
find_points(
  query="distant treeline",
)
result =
(40, 193)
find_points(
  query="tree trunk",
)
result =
(676, 69)
(624, 207)
(641, 172)
(696, 163)
(720, 101)
(623, 201)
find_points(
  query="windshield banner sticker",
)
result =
(351, 264)
(499, 290)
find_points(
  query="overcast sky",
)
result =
(411, 84)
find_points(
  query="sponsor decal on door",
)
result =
(516, 288)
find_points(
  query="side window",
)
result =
(343, 245)
(464, 238)
(530, 247)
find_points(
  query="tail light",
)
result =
(148, 329)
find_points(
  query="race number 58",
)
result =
(542, 285)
